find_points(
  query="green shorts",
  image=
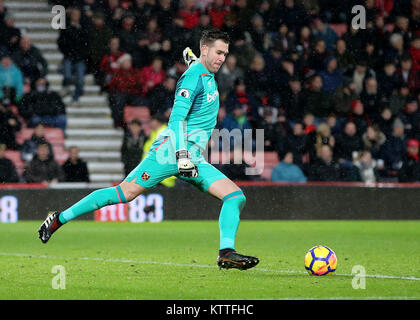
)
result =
(160, 163)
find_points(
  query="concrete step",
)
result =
(91, 123)
(34, 26)
(108, 156)
(90, 101)
(57, 79)
(105, 167)
(106, 177)
(88, 89)
(98, 112)
(110, 145)
(27, 5)
(96, 134)
(35, 16)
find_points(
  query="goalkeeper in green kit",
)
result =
(177, 151)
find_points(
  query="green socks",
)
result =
(94, 201)
(233, 203)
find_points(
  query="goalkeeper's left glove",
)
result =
(185, 166)
(189, 56)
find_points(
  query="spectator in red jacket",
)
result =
(152, 75)
(189, 13)
(108, 65)
(414, 51)
(125, 88)
(217, 12)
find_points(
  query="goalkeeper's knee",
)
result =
(236, 198)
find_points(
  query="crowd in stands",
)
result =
(336, 102)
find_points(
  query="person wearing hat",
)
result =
(10, 35)
(8, 173)
(410, 170)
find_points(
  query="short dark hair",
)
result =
(209, 36)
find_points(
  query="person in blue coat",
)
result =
(10, 77)
(287, 171)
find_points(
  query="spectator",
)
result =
(236, 168)
(125, 88)
(109, 65)
(385, 121)
(9, 125)
(396, 51)
(358, 117)
(203, 24)
(323, 31)
(11, 80)
(73, 43)
(318, 102)
(43, 168)
(371, 98)
(348, 143)
(75, 169)
(286, 171)
(153, 35)
(241, 97)
(10, 35)
(331, 77)
(293, 101)
(373, 139)
(373, 58)
(99, 36)
(228, 74)
(355, 39)
(258, 78)
(43, 105)
(259, 36)
(217, 11)
(189, 13)
(367, 167)
(30, 60)
(399, 99)
(243, 14)
(162, 96)
(343, 98)
(142, 12)
(359, 74)
(128, 34)
(8, 172)
(394, 148)
(345, 59)
(113, 14)
(317, 55)
(293, 15)
(30, 145)
(152, 75)
(164, 14)
(408, 76)
(414, 52)
(236, 120)
(410, 116)
(410, 170)
(323, 137)
(388, 81)
(297, 143)
(325, 168)
(275, 128)
(132, 147)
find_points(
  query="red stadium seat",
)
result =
(14, 156)
(139, 113)
(339, 28)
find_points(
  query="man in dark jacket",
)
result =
(9, 125)
(30, 146)
(132, 147)
(325, 168)
(30, 60)
(348, 142)
(43, 168)
(73, 42)
(410, 170)
(75, 169)
(43, 105)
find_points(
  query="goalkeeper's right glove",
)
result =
(185, 166)
(189, 56)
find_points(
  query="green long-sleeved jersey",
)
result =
(194, 114)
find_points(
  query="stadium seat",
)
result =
(141, 113)
(339, 28)
(14, 156)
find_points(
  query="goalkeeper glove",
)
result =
(185, 166)
(189, 56)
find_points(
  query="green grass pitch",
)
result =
(176, 260)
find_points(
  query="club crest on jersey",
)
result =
(145, 176)
(184, 93)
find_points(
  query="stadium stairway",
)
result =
(90, 125)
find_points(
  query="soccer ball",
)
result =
(320, 261)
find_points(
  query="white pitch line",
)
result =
(378, 276)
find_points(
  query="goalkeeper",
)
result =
(177, 151)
